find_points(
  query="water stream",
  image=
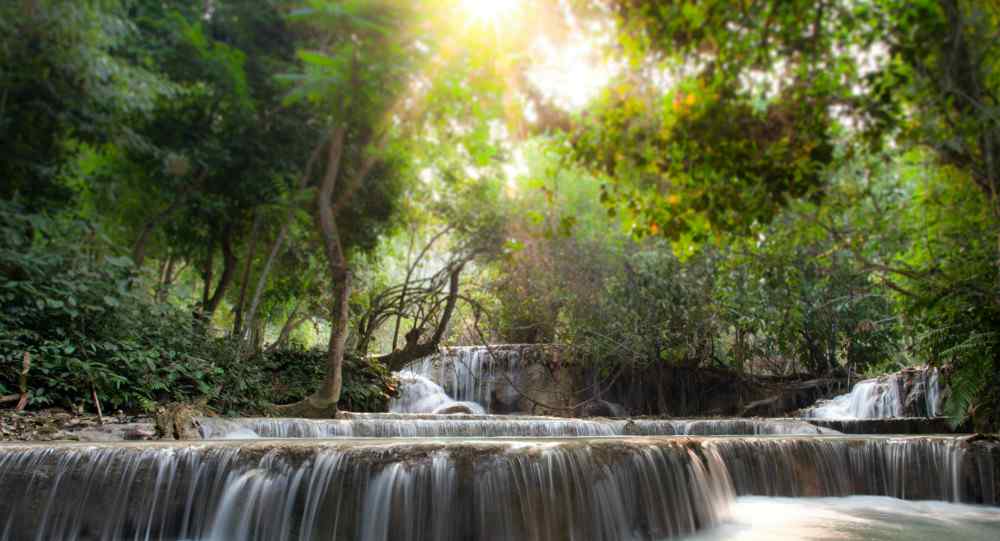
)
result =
(902, 394)
(439, 468)
(855, 518)
(397, 426)
(440, 489)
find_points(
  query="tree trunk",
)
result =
(323, 403)
(330, 388)
(411, 267)
(229, 264)
(264, 273)
(290, 325)
(244, 282)
(165, 276)
(413, 350)
(206, 276)
(402, 295)
(139, 247)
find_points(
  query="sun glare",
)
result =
(490, 10)
(571, 74)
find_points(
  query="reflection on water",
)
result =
(854, 518)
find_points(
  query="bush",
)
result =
(75, 306)
(83, 314)
(289, 375)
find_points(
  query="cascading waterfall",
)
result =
(892, 395)
(396, 426)
(631, 488)
(933, 386)
(418, 394)
(470, 373)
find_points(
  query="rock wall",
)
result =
(538, 379)
(911, 392)
(507, 378)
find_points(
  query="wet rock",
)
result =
(178, 422)
(601, 408)
(59, 425)
(457, 407)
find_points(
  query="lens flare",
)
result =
(490, 10)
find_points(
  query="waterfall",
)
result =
(474, 373)
(396, 426)
(418, 394)
(726, 427)
(908, 393)
(933, 386)
(401, 427)
(634, 488)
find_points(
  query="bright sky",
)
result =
(489, 10)
(571, 72)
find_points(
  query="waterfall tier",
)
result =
(506, 378)
(491, 426)
(418, 394)
(627, 488)
(914, 392)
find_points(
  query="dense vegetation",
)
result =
(272, 202)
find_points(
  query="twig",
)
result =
(23, 382)
(97, 403)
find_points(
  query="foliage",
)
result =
(951, 291)
(70, 301)
(724, 112)
(65, 79)
(653, 309)
(78, 310)
(288, 375)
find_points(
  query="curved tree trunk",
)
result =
(229, 264)
(245, 280)
(323, 403)
(139, 247)
(414, 350)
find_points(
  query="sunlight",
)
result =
(490, 10)
(570, 74)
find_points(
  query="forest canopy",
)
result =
(257, 203)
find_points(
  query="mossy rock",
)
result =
(178, 422)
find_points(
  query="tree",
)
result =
(358, 76)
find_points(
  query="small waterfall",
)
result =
(402, 427)
(371, 492)
(471, 373)
(418, 394)
(933, 386)
(635, 488)
(409, 426)
(907, 393)
(726, 427)
(908, 468)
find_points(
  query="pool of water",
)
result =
(854, 518)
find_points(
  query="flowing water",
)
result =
(439, 468)
(402, 426)
(418, 394)
(887, 396)
(471, 373)
(855, 518)
(440, 489)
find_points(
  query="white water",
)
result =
(854, 518)
(471, 373)
(418, 394)
(881, 398)
(489, 426)
(377, 490)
